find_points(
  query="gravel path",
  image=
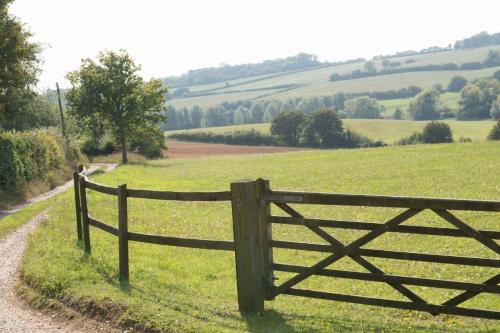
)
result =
(16, 316)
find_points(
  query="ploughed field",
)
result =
(177, 289)
(182, 149)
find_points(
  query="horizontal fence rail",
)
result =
(253, 242)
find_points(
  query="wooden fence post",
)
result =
(123, 232)
(78, 209)
(265, 236)
(244, 201)
(85, 215)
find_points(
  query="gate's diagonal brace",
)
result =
(477, 235)
(346, 250)
(337, 245)
(466, 295)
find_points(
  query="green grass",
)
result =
(315, 82)
(386, 130)
(186, 290)
(448, 99)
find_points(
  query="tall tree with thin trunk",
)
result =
(111, 91)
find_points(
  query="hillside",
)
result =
(315, 82)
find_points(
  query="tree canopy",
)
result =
(19, 67)
(110, 92)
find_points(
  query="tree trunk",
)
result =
(123, 143)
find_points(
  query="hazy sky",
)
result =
(171, 37)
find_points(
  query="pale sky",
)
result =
(171, 37)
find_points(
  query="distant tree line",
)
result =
(264, 111)
(322, 128)
(492, 60)
(230, 72)
(478, 40)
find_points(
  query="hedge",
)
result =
(35, 155)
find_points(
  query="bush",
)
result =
(414, 138)
(457, 83)
(36, 155)
(437, 132)
(495, 132)
(251, 138)
(148, 141)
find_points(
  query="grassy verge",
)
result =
(185, 290)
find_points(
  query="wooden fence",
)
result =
(253, 242)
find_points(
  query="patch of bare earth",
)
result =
(184, 149)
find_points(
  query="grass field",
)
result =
(185, 290)
(386, 130)
(315, 82)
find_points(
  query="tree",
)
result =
(473, 104)
(328, 127)
(437, 132)
(496, 75)
(196, 116)
(288, 126)
(457, 83)
(19, 61)
(111, 91)
(370, 66)
(363, 107)
(270, 113)
(495, 132)
(492, 59)
(495, 109)
(257, 113)
(426, 105)
(398, 114)
(241, 115)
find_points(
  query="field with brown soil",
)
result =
(183, 149)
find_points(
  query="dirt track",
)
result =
(183, 149)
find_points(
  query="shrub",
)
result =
(36, 155)
(495, 132)
(251, 138)
(148, 141)
(414, 138)
(457, 83)
(437, 132)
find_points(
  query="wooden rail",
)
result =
(253, 242)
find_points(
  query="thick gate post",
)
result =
(265, 237)
(249, 280)
(123, 232)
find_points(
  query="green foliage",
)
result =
(148, 141)
(19, 61)
(36, 155)
(437, 132)
(495, 109)
(457, 83)
(495, 132)
(496, 75)
(111, 94)
(398, 114)
(328, 127)
(288, 126)
(492, 59)
(414, 138)
(426, 105)
(363, 107)
(477, 99)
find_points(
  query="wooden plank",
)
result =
(382, 201)
(466, 295)
(179, 196)
(395, 304)
(445, 284)
(245, 205)
(181, 242)
(265, 236)
(78, 209)
(411, 256)
(468, 230)
(358, 225)
(123, 233)
(85, 215)
(346, 250)
(102, 188)
(103, 226)
(338, 246)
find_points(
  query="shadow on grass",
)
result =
(269, 321)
